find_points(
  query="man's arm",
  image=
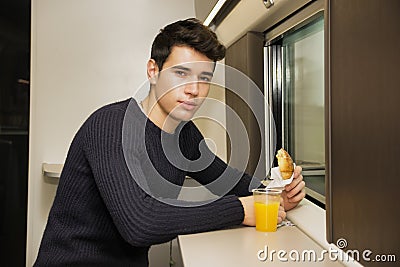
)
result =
(240, 183)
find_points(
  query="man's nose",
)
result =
(192, 88)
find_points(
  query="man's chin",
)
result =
(182, 116)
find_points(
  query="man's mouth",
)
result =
(188, 105)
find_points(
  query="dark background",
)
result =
(15, 23)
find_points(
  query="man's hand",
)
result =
(281, 212)
(294, 192)
(249, 212)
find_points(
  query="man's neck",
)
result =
(157, 115)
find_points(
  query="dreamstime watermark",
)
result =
(333, 254)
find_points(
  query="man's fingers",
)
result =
(294, 183)
(298, 197)
(297, 170)
(281, 214)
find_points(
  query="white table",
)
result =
(243, 246)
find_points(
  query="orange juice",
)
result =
(266, 216)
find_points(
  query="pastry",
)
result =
(285, 164)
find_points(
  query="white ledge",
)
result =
(311, 220)
(52, 170)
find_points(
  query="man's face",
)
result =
(183, 83)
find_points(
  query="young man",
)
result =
(118, 191)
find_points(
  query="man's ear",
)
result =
(152, 71)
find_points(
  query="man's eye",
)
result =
(205, 79)
(180, 73)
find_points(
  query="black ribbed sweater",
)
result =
(101, 217)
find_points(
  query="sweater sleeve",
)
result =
(233, 182)
(141, 219)
(219, 177)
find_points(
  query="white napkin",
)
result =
(277, 180)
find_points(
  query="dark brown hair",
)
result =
(190, 32)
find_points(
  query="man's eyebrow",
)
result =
(211, 74)
(181, 68)
(208, 73)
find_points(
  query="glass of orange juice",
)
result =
(266, 206)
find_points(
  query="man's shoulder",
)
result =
(109, 114)
(114, 107)
(116, 110)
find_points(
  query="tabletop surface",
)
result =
(244, 246)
